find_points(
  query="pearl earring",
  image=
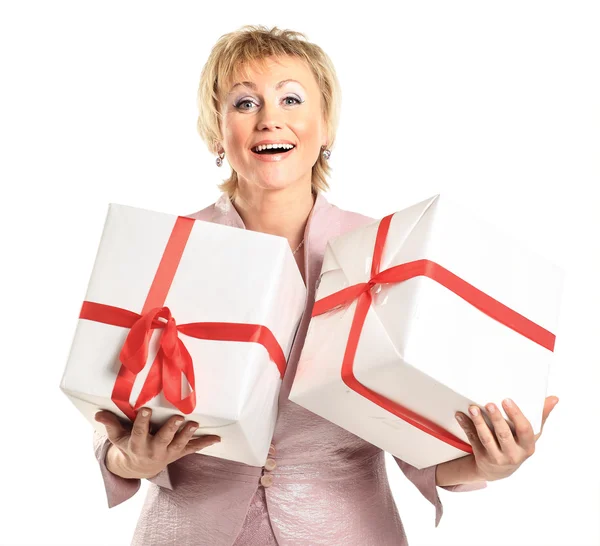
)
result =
(326, 153)
(220, 159)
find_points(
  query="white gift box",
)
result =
(224, 274)
(423, 346)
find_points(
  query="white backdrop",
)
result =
(495, 104)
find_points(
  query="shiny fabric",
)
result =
(330, 487)
(257, 528)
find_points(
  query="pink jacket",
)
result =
(328, 487)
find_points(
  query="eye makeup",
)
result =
(237, 104)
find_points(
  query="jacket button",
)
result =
(270, 464)
(266, 480)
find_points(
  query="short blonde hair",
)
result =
(234, 52)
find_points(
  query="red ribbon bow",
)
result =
(362, 293)
(172, 359)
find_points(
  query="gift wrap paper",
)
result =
(423, 349)
(213, 274)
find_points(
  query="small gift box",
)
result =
(187, 317)
(420, 315)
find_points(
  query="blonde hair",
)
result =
(234, 52)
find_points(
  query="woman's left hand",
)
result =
(498, 453)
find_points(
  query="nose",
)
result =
(270, 117)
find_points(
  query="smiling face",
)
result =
(270, 107)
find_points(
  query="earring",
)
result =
(220, 159)
(326, 153)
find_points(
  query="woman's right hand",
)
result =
(140, 454)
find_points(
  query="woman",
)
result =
(321, 484)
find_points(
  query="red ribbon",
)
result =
(362, 293)
(172, 359)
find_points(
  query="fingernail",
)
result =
(145, 412)
(491, 408)
(508, 402)
(474, 411)
(192, 429)
(178, 422)
(459, 417)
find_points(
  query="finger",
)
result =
(167, 432)
(115, 430)
(549, 405)
(139, 432)
(523, 428)
(503, 432)
(486, 436)
(469, 428)
(183, 437)
(202, 442)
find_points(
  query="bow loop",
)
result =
(176, 362)
(169, 339)
(134, 353)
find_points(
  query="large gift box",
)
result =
(418, 316)
(187, 317)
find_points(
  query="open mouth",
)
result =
(272, 151)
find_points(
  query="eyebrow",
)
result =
(252, 86)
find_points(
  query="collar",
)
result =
(225, 213)
(314, 243)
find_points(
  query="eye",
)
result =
(239, 104)
(298, 101)
(290, 97)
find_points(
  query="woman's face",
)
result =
(264, 108)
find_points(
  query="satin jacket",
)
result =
(328, 487)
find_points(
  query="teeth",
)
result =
(269, 146)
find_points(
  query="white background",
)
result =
(494, 103)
